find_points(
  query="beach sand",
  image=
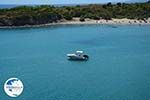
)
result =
(123, 21)
(113, 21)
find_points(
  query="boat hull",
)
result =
(76, 58)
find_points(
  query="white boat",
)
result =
(79, 55)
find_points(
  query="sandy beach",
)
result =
(123, 21)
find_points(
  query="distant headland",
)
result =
(119, 13)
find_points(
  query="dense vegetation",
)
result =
(27, 15)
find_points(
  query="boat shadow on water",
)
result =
(81, 60)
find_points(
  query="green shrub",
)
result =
(82, 19)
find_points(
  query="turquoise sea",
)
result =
(118, 68)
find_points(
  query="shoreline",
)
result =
(76, 21)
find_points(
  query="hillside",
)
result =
(35, 15)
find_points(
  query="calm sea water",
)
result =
(118, 68)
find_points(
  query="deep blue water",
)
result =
(6, 6)
(2, 6)
(118, 68)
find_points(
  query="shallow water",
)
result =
(118, 68)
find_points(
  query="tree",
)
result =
(109, 4)
(68, 17)
(119, 4)
(104, 6)
(82, 19)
